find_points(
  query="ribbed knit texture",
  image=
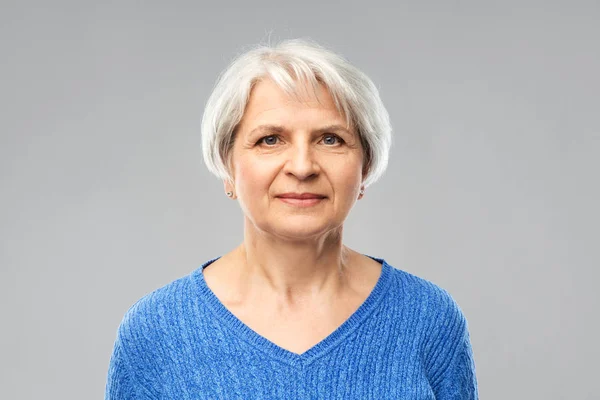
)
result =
(408, 340)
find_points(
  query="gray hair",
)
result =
(354, 94)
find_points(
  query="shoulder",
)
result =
(157, 311)
(434, 305)
(146, 329)
(439, 321)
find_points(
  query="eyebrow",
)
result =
(268, 129)
(280, 129)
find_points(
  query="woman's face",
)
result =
(289, 145)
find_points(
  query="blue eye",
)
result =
(267, 140)
(335, 138)
(329, 139)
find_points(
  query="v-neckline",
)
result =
(260, 342)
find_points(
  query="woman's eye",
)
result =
(331, 139)
(268, 140)
(272, 140)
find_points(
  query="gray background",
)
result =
(492, 189)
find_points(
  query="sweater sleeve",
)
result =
(458, 381)
(119, 384)
(131, 373)
(452, 368)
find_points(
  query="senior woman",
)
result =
(296, 134)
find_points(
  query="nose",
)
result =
(301, 162)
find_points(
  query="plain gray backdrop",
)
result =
(492, 189)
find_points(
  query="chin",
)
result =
(298, 236)
(300, 229)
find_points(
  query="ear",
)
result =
(229, 187)
(361, 194)
(365, 169)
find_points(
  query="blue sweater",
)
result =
(408, 340)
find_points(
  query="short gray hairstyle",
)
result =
(353, 92)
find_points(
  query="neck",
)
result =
(294, 268)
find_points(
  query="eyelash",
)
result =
(261, 140)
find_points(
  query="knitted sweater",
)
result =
(408, 340)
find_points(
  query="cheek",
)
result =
(349, 185)
(251, 178)
(348, 174)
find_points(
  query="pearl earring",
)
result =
(229, 194)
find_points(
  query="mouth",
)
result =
(302, 200)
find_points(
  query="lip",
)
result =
(301, 196)
(296, 202)
(301, 199)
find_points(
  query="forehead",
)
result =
(267, 100)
